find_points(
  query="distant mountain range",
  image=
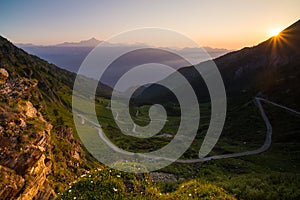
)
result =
(84, 43)
(66, 55)
(70, 55)
(271, 68)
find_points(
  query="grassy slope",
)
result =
(53, 98)
(269, 175)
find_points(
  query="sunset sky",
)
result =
(230, 24)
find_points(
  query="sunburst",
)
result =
(275, 32)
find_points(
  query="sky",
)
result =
(230, 24)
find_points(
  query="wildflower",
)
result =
(70, 190)
(115, 189)
(190, 195)
(118, 176)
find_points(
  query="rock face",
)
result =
(38, 187)
(24, 143)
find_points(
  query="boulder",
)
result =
(3, 75)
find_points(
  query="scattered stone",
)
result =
(3, 75)
(162, 177)
(30, 111)
(76, 155)
(16, 88)
(22, 123)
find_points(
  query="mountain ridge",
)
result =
(251, 70)
(85, 43)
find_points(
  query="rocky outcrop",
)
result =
(37, 185)
(24, 143)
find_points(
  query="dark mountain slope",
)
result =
(51, 78)
(270, 68)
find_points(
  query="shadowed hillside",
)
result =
(270, 68)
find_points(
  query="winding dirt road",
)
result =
(264, 147)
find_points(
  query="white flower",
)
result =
(190, 195)
(90, 176)
(92, 181)
(118, 176)
(115, 189)
(70, 190)
(74, 198)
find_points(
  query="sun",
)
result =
(275, 32)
